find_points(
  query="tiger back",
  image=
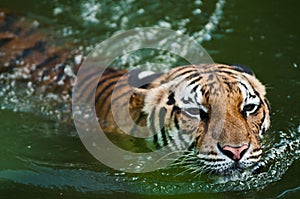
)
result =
(35, 55)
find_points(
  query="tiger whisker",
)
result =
(171, 153)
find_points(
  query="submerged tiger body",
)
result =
(35, 55)
(217, 111)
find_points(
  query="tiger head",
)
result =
(220, 112)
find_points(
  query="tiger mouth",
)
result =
(228, 169)
(235, 167)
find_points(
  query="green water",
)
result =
(40, 157)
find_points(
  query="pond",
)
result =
(42, 156)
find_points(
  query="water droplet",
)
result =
(197, 11)
(57, 11)
(295, 65)
(141, 11)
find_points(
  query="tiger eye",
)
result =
(249, 107)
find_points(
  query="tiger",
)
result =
(219, 112)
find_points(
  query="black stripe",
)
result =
(177, 70)
(103, 90)
(256, 149)
(109, 94)
(180, 134)
(161, 117)
(247, 93)
(195, 80)
(268, 104)
(229, 86)
(61, 72)
(212, 160)
(103, 79)
(176, 123)
(226, 72)
(197, 74)
(116, 99)
(254, 157)
(9, 21)
(46, 73)
(210, 71)
(99, 87)
(6, 27)
(39, 46)
(192, 146)
(83, 88)
(152, 126)
(205, 93)
(189, 116)
(263, 118)
(3, 42)
(242, 69)
(136, 122)
(188, 101)
(163, 135)
(195, 88)
(46, 61)
(186, 72)
(88, 76)
(175, 109)
(171, 99)
(108, 108)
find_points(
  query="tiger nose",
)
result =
(235, 153)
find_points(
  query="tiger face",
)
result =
(219, 111)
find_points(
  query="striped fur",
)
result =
(46, 61)
(209, 110)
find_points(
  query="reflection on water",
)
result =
(42, 153)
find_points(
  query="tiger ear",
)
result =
(242, 68)
(140, 80)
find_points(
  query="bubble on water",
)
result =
(197, 11)
(164, 24)
(90, 11)
(295, 65)
(141, 11)
(198, 2)
(57, 11)
(77, 60)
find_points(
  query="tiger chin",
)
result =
(216, 112)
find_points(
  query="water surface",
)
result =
(41, 156)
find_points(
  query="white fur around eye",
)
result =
(249, 97)
(250, 108)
